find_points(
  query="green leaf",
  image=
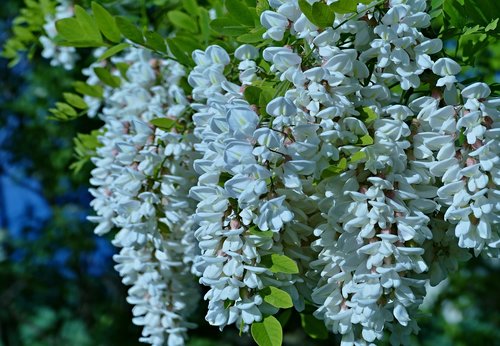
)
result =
(268, 332)
(262, 5)
(264, 234)
(112, 51)
(306, 8)
(252, 94)
(191, 7)
(57, 115)
(81, 43)
(87, 24)
(85, 146)
(481, 11)
(260, 95)
(313, 327)
(345, 6)
(182, 21)
(228, 27)
(187, 43)
(155, 41)
(320, 14)
(165, 124)
(366, 140)
(129, 30)
(279, 264)
(472, 30)
(181, 56)
(358, 156)
(123, 68)
(323, 14)
(253, 36)
(204, 22)
(277, 297)
(281, 88)
(106, 77)
(265, 97)
(23, 33)
(66, 109)
(75, 100)
(492, 25)
(368, 115)
(453, 13)
(106, 23)
(90, 90)
(333, 170)
(69, 29)
(240, 11)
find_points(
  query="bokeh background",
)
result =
(57, 283)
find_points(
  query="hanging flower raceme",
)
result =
(142, 178)
(384, 169)
(244, 219)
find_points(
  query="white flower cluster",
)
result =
(402, 166)
(241, 215)
(59, 56)
(371, 185)
(142, 178)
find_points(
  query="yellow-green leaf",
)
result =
(345, 6)
(106, 23)
(113, 50)
(87, 24)
(358, 156)
(279, 264)
(268, 332)
(366, 140)
(277, 297)
(90, 90)
(75, 100)
(163, 123)
(69, 29)
(66, 109)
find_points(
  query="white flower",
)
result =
(476, 91)
(472, 122)
(275, 23)
(242, 122)
(447, 69)
(273, 215)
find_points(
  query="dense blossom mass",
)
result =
(351, 151)
(142, 178)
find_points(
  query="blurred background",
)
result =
(57, 283)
